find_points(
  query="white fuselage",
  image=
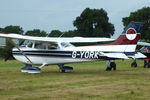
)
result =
(68, 54)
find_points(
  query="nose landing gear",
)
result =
(30, 69)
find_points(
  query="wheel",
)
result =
(134, 64)
(145, 64)
(108, 68)
(110, 65)
(66, 69)
(148, 64)
(32, 70)
(114, 68)
(113, 65)
(62, 70)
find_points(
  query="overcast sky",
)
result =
(59, 14)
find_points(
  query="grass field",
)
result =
(89, 81)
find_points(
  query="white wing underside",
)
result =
(116, 55)
(55, 40)
(138, 55)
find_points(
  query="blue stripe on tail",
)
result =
(136, 25)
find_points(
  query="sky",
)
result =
(50, 15)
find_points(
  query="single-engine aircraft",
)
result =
(47, 51)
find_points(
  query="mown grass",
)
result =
(89, 81)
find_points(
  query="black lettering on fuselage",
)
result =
(96, 54)
(91, 54)
(74, 54)
(86, 54)
(82, 53)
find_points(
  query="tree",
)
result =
(1, 29)
(36, 32)
(8, 49)
(13, 29)
(141, 15)
(55, 33)
(93, 23)
(70, 33)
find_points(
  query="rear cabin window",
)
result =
(52, 46)
(39, 45)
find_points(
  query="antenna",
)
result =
(61, 34)
(47, 34)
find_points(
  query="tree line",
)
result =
(90, 23)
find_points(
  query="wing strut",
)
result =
(10, 40)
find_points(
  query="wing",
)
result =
(54, 40)
(139, 55)
(143, 43)
(116, 55)
(124, 56)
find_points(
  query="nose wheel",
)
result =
(32, 70)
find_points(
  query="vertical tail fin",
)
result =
(127, 41)
(136, 25)
(130, 35)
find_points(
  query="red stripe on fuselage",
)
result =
(122, 40)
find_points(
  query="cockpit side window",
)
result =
(40, 45)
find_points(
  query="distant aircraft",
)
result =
(144, 50)
(47, 51)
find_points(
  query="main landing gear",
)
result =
(110, 65)
(65, 69)
(134, 64)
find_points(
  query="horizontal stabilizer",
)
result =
(138, 55)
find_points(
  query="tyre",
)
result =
(113, 65)
(145, 64)
(108, 68)
(134, 64)
(148, 64)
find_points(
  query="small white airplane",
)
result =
(145, 49)
(47, 51)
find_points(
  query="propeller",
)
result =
(9, 55)
(9, 52)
